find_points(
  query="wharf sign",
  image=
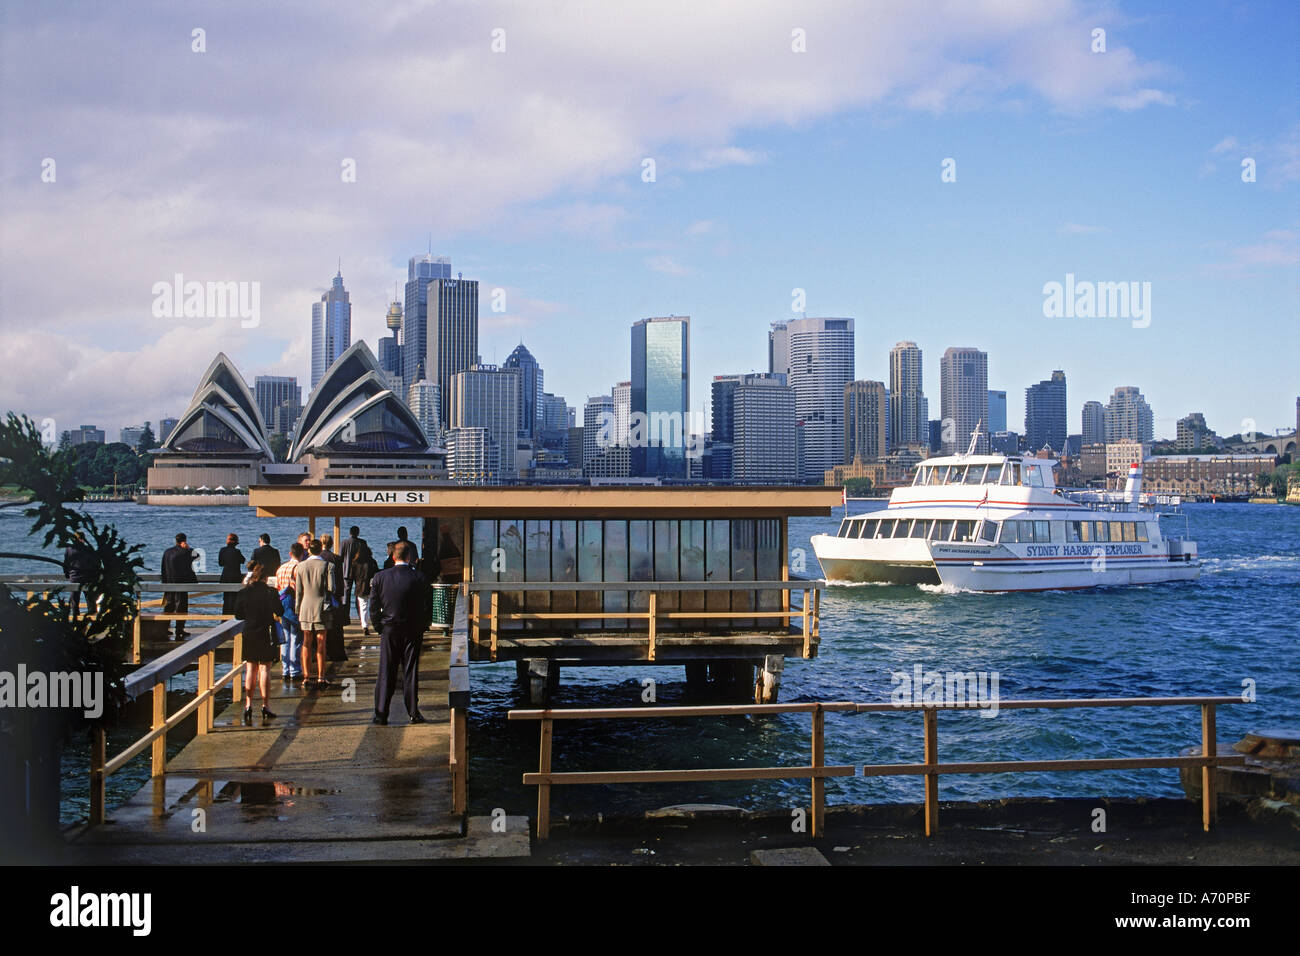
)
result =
(376, 497)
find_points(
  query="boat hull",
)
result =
(967, 571)
(903, 561)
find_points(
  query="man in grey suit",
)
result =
(313, 584)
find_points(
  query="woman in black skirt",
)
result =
(231, 560)
(258, 606)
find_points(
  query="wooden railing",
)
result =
(809, 613)
(152, 678)
(545, 778)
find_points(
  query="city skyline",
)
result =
(578, 242)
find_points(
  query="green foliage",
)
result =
(44, 631)
(279, 446)
(857, 487)
(95, 465)
(147, 441)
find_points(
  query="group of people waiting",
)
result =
(295, 610)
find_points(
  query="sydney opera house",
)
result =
(352, 427)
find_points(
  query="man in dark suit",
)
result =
(178, 568)
(349, 548)
(267, 556)
(400, 607)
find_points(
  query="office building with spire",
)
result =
(331, 328)
(530, 391)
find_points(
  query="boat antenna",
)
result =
(974, 437)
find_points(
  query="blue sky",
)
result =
(775, 170)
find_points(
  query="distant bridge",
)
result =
(1276, 445)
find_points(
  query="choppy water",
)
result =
(1237, 622)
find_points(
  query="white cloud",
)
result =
(1078, 229)
(226, 164)
(667, 265)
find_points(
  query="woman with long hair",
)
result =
(258, 605)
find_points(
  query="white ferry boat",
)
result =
(999, 523)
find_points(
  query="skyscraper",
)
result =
(484, 396)
(1094, 423)
(622, 395)
(964, 399)
(908, 409)
(272, 391)
(331, 328)
(778, 349)
(420, 271)
(1128, 416)
(821, 364)
(997, 411)
(530, 391)
(866, 411)
(661, 366)
(424, 402)
(764, 448)
(722, 405)
(1046, 414)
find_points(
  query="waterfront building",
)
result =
(1046, 414)
(1094, 423)
(355, 428)
(1128, 416)
(1121, 454)
(272, 391)
(1194, 434)
(821, 365)
(485, 396)
(603, 456)
(763, 444)
(964, 399)
(1203, 476)
(530, 391)
(660, 395)
(778, 349)
(1092, 460)
(866, 412)
(331, 328)
(997, 411)
(909, 411)
(889, 473)
(218, 445)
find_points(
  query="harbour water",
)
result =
(1236, 624)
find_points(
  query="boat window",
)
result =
(941, 531)
(1008, 470)
(975, 475)
(1142, 530)
(901, 528)
(868, 529)
(844, 529)
(956, 475)
(885, 529)
(1130, 532)
(1035, 476)
(965, 530)
(934, 476)
(1009, 532)
(1072, 532)
(989, 531)
(1042, 531)
(919, 477)
(918, 528)
(1099, 531)
(1117, 531)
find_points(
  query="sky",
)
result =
(926, 168)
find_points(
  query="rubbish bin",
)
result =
(444, 604)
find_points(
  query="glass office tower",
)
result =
(661, 394)
(331, 328)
